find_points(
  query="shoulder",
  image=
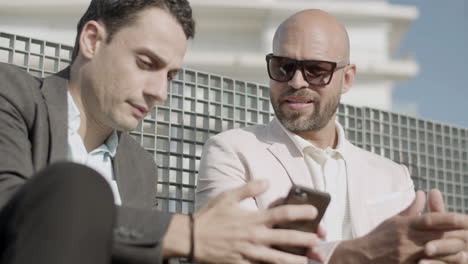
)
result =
(13, 75)
(239, 137)
(17, 84)
(19, 89)
(10, 69)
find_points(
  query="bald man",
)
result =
(305, 145)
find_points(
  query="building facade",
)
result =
(233, 37)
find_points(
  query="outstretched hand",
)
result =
(437, 237)
(452, 247)
(400, 239)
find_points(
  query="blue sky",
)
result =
(439, 41)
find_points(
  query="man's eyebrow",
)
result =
(156, 57)
(153, 56)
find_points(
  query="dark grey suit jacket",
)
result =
(33, 134)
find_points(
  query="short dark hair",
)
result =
(116, 14)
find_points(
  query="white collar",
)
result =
(303, 144)
(111, 143)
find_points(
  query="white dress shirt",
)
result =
(100, 159)
(328, 172)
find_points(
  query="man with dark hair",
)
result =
(54, 211)
(117, 14)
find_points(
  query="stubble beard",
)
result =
(295, 121)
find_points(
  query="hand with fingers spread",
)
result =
(434, 238)
(393, 241)
(452, 247)
(396, 240)
(226, 233)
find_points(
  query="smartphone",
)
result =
(303, 195)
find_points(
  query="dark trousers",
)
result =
(64, 214)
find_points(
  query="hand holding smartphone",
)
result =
(303, 195)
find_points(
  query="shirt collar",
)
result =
(73, 114)
(302, 143)
(111, 143)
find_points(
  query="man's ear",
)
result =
(92, 36)
(350, 73)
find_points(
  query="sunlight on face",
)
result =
(131, 74)
(298, 105)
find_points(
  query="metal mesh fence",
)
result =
(200, 105)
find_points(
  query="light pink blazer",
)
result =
(378, 188)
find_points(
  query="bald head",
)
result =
(312, 34)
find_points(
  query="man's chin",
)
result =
(293, 113)
(127, 125)
(295, 116)
(290, 122)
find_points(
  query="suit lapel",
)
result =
(287, 154)
(121, 168)
(134, 187)
(357, 188)
(54, 89)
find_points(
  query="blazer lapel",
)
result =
(287, 154)
(136, 183)
(357, 188)
(54, 89)
(122, 170)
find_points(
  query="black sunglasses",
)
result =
(315, 72)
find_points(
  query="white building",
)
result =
(233, 36)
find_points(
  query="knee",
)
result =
(61, 190)
(72, 179)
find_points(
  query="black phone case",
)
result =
(303, 195)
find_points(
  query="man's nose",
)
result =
(157, 88)
(298, 80)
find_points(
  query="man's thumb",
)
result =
(417, 206)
